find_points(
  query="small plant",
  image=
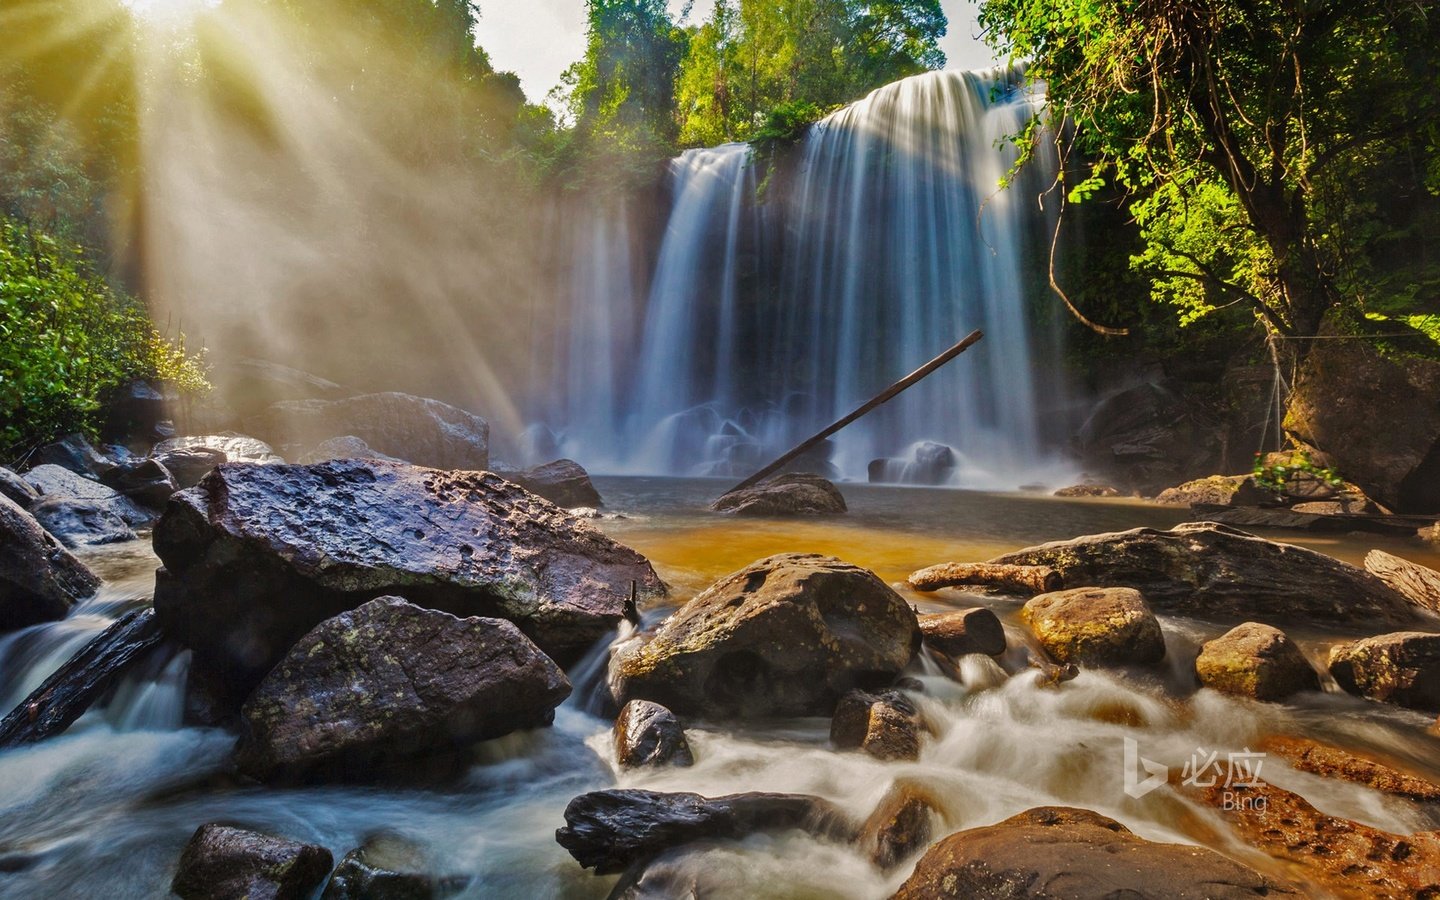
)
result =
(1277, 477)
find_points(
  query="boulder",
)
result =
(1216, 490)
(146, 481)
(901, 826)
(609, 831)
(238, 448)
(422, 431)
(39, 579)
(1089, 490)
(964, 631)
(885, 725)
(251, 385)
(51, 481)
(372, 689)
(563, 482)
(1420, 584)
(347, 447)
(1335, 762)
(73, 454)
(785, 495)
(1075, 854)
(17, 489)
(256, 556)
(929, 463)
(1096, 626)
(786, 636)
(137, 411)
(648, 734)
(387, 867)
(188, 465)
(1255, 660)
(1145, 438)
(81, 523)
(1375, 418)
(1401, 668)
(1218, 573)
(224, 863)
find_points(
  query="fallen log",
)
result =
(65, 695)
(1419, 585)
(1029, 580)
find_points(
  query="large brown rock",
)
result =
(1337, 762)
(901, 826)
(372, 689)
(1218, 573)
(1146, 438)
(1216, 490)
(885, 725)
(563, 482)
(1401, 668)
(1051, 853)
(1096, 626)
(648, 734)
(964, 631)
(225, 863)
(256, 556)
(786, 636)
(1375, 418)
(423, 431)
(1255, 660)
(39, 579)
(792, 494)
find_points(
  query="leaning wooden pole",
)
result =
(883, 397)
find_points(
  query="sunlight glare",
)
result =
(169, 13)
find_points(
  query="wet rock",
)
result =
(1338, 856)
(1096, 626)
(885, 725)
(929, 463)
(136, 411)
(422, 431)
(252, 385)
(387, 867)
(146, 481)
(73, 454)
(81, 523)
(1055, 852)
(1376, 419)
(84, 678)
(786, 636)
(609, 831)
(1145, 438)
(1420, 584)
(256, 556)
(51, 481)
(648, 734)
(901, 826)
(390, 682)
(1217, 573)
(238, 448)
(563, 482)
(964, 631)
(1216, 490)
(347, 447)
(17, 489)
(1402, 668)
(793, 494)
(224, 863)
(188, 465)
(39, 579)
(1089, 490)
(1335, 762)
(1255, 660)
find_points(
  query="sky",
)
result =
(538, 39)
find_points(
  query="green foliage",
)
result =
(67, 338)
(1277, 477)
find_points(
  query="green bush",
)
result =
(67, 339)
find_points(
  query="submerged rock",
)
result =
(609, 831)
(1335, 762)
(885, 725)
(17, 489)
(256, 556)
(81, 523)
(901, 826)
(1402, 668)
(224, 863)
(929, 464)
(648, 734)
(416, 429)
(39, 579)
(387, 867)
(391, 682)
(1075, 854)
(964, 631)
(53, 482)
(563, 482)
(1217, 573)
(792, 494)
(786, 636)
(1255, 660)
(1096, 626)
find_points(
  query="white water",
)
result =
(880, 241)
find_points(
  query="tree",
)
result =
(1233, 125)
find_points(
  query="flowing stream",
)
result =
(104, 810)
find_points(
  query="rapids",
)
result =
(104, 810)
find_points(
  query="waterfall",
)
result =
(784, 293)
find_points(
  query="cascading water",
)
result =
(784, 294)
